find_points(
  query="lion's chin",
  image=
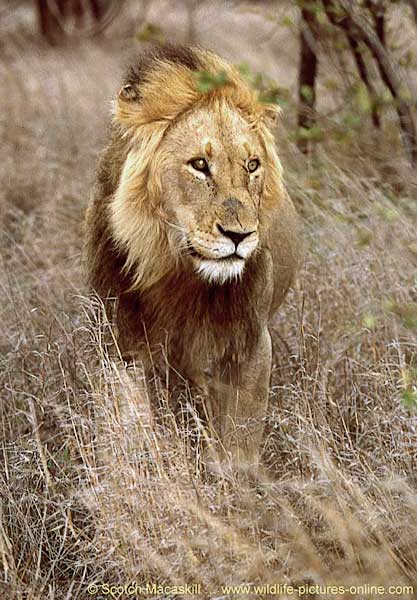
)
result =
(220, 271)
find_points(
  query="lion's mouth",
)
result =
(218, 270)
(224, 259)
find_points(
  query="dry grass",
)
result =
(93, 489)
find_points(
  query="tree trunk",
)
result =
(49, 24)
(307, 77)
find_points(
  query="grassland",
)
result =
(93, 490)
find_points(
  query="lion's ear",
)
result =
(271, 115)
(129, 92)
(127, 108)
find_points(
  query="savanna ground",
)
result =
(92, 490)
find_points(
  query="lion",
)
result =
(191, 230)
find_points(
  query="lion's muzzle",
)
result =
(222, 258)
(243, 242)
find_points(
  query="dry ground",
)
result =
(92, 490)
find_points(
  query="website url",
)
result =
(282, 589)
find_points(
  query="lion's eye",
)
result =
(200, 164)
(253, 164)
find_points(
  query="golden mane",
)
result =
(169, 89)
(147, 104)
(131, 231)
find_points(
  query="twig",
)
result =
(358, 27)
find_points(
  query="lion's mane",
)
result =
(157, 90)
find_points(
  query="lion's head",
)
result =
(200, 174)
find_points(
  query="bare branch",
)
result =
(363, 72)
(360, 63)
(54, 17)
(358, 27)
(413, 4)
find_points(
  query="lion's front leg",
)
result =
(241, 401)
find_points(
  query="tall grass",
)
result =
(94, 489)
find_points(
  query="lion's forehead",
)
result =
(217, 134)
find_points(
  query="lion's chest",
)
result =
(195, 329)
(198, 326)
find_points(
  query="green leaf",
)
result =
(207, 82)
(150, 33)
(272, 96)
(307, 93)
(369, 321)
(244, 70)
(409, 398)
(362, 98)
(314, 133)
(410, 318)
(269, 91)
(351, 121)
(331, 84)
(389, 214)
(364, 238)
(287, 22)
(407, 312)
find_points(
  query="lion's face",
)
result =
(212, 168)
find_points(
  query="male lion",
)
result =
(193, 233)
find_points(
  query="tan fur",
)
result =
(199, 260)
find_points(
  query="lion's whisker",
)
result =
(175, 226)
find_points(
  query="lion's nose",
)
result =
(235, 236)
